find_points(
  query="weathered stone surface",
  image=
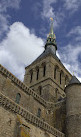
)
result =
(28, 117)
(73, 110)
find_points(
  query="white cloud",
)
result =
(4, 5)
(70, 58)
(76, 31)
(58, 55)
(72, 5)
(3, 23)
(71, 53)
(49, 11)
(19, 49)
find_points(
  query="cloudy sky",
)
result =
(24, 25)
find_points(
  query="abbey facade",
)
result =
(46, 103)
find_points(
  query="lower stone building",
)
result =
(46, 103)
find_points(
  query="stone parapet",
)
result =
(25, 88)
(55, 105)
(28, 90)
(31, 118)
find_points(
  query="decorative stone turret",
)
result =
(73, 108)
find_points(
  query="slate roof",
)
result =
(47, 52)
(74, 80)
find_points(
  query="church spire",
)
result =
(51, 38)
(51, 28)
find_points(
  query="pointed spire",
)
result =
(51, 33)
(51, 28)
(51, 38)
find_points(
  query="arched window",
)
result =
(60, 77)
(55, 73)
(44, 70)
(39, 112)
(31, 76)
(37, 77)
(40, 90)
(18, 96)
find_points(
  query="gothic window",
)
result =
(55, 73)
(44, 70)
(18, 96)
(60, 77)
(31, 76)
(40, 90)
(37, 77)
(39, 112)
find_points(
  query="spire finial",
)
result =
(51, 19)
(51, 28)
(51, 38)
(73, 73)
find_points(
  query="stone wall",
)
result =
(73, 110)
(8, 126)
(9, 109)
(60, 117)
(10, 86)
(31, 101)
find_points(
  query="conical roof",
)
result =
(74, 80)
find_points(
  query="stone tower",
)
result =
(47, 103)
(46, 75)
(73, 108)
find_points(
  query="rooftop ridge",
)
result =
(28, 116)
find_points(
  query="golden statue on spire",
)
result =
(51, 19)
